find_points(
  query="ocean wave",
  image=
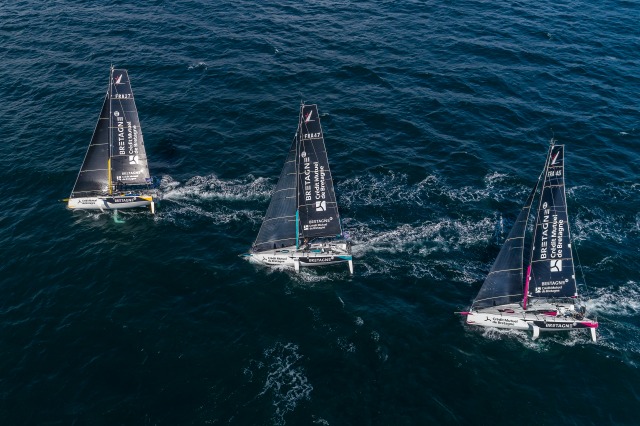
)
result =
(199, 65)
(212, 187)
(385, 251)
(622, 301)
(284, 379)
(185, 214)
(182, 202)
(392, 188)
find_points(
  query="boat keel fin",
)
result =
(351, 267)
(593, 334)
(115, 217)
(536, 332)
(296, 265)
(153, 207)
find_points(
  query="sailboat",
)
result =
(302, 224)
(115, 174)
(541, 294)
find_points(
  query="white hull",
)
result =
(315, 255)
(111, 202)
(545, 317)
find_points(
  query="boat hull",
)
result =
(110, 202)
(296, 258)
(562, 317)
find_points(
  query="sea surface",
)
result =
(437, 118)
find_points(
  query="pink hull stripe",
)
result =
(589, 324)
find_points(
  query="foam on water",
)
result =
(211, 187)
(439, 120)
(523, 338)
(284, 381)
(185, 214)
(199, 65)
(392, 188)
(618, 301)
(447, 235)
(211, 198)
(307, 275)
(382, 252)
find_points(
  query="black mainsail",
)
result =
(317, 206)
(303, 204)
(279, 225)
(503, 284)
(93, 178)
(116, 159)
(552, 272)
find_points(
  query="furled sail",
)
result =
(128, 157)
(552, 268)
(503, 284)
(279, 225)
(318, 210)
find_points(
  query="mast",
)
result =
(297, 142)
(109, 93)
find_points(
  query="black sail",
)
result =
(503, 285)
(93, 178)
(318, 210)
(279, 225)
(552, 268)
(128, 157)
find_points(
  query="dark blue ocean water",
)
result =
(437, 116)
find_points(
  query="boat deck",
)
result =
(540, 311)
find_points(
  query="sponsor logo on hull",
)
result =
(107, 203)
(320, 260)
(498, 321)
(565, 325)
(504, 321)
(556, 325)
(287, 260)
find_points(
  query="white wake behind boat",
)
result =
(115, 174)
(302, 225)
(545, 296)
